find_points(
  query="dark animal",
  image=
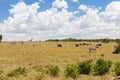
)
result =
(33, 45)
(76, 45)
(98, 44)
(59, 45)
(22, 42)
(86, 44)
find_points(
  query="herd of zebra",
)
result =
(94, 48)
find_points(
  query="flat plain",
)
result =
(32, 54)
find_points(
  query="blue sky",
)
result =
(46, 19)
(5, 5)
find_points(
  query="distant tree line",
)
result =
(104, 40)
(1, 38)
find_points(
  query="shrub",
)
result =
(16, 72)
(101, 67)
(117, 50)
(84, 67)
(53, 71)
(71, 71)
(117, 68)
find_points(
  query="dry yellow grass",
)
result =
(47, 53)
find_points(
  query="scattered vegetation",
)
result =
(102, 67)
(38, 68)
(117, 68)
(71, 71)
(53, 71)
(17, 72)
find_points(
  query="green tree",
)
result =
(1, 38)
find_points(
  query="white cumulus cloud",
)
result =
(60, 4)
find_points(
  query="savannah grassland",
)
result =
(46, 54)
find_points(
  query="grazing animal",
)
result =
(92, 49)
(59, 45)
(31, 40)
(22, 42)
(33, 45)
(98, 44)
(76, 45)
(86, 44)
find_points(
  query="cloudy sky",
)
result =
(45, 19)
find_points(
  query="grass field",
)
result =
(45, 54)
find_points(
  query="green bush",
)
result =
(117, 68)
(84, 67)
(16, 72)
(71, 71)
(101, 67)
(53, 71)
(117, 50)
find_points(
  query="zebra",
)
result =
(92, 49)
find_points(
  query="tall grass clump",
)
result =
(84, 67)
(71, 71)
(102, 67)
(53, 71)
(17, 72)
(117, 68)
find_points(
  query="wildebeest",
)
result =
(59, 45)
(33, 45)
(92, 49)
(22, 42)
(76, 45)
(99, 44)
(86, 44)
